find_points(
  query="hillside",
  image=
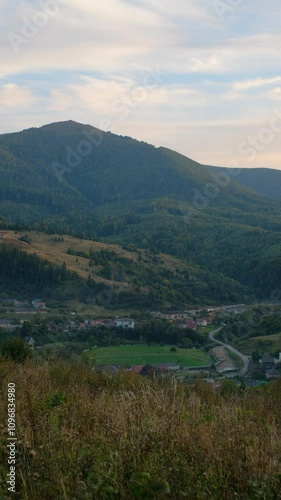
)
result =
(264, 181)
(121, 276)
(69, 178)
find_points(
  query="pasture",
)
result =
(145, 354)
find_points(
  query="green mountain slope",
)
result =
(264, 181)
(73, 178)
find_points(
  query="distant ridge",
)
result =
(264, 181)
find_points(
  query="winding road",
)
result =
(244, 358)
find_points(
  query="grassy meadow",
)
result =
(82, 435)
(144, 354)
(266, 343)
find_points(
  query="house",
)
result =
(125, 323)
(5, 324)
(210, 319)
(39, 304)
(30, 342)
(191, 325)
(169, 367)
(202, 322)
(268, 361)
(272, 374)
(97, 322)
(180, 323)
(174, 368)
(176, 315)
(192, 312)
(253, 367)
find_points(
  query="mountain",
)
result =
(75, 179)
(264, 181)
(50, 166)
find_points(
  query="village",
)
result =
(218, 365)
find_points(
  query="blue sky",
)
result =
(202, 77)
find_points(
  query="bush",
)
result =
(16, 350)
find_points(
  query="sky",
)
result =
(202, 77)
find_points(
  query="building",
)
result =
(5, 324)
(125, 323)
(268, 362)
(191, 325)
(272, 374)
(39, 304)
(202, 322)
(176, 315)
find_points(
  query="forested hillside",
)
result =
(69, 178)
(263, 180)
(27, 274)
(107, 275)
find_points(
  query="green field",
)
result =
(144, 354)
(268, 343)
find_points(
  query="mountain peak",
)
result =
(69, 127)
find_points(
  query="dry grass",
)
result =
(82, 435)
(55, 251)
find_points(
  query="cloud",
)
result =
(13, 96)
(256, 83)
(215, 81)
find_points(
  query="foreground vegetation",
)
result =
(83, 435)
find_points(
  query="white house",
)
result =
(125, 323)
(202, 322)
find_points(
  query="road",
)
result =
(244, 358)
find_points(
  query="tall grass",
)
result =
(82, 435)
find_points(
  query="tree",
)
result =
(256, 356)
(16, 350)
(186, 343)
(27, 329)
